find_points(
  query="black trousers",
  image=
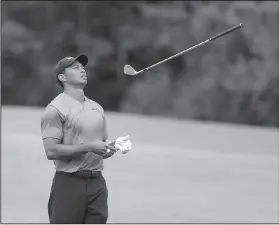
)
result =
(76, 199)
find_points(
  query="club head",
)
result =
(128, 70)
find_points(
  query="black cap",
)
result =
(68, 61)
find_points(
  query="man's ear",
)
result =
(62, 78)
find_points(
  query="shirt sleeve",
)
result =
(51, 124)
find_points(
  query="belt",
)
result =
(83, 173)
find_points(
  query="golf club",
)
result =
(129, 70)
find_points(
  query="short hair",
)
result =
(59, 81)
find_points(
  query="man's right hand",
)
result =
(101, 148)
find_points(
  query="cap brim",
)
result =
(83, 59)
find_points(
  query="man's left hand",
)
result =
(123, 144)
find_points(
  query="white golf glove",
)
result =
(123, 144)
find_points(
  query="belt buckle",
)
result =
(84, 174)
(89, 174)
(95, 174)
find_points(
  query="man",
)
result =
(75, 137)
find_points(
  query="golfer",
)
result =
(74, 134)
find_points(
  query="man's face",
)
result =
(75, 74)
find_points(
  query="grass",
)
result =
(177, 172)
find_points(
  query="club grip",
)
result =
(226, 32)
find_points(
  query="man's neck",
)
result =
(75, 92)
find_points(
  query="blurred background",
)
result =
(234, 79)
(204, 126)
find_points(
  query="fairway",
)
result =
(177, 172)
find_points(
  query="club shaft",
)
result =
(178, 54)
(226, 32)
(194, 47)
